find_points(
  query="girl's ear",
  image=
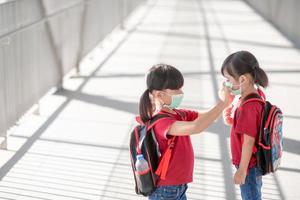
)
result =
(157, 94)
(243, 79)
(246, 78)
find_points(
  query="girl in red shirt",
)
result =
(244, 77)
(163, 95)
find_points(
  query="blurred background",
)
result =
(72, 72)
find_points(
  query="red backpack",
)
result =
(269, 146)
(143, 143)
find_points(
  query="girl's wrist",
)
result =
(223, 104)
(243, 169)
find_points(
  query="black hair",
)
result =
(159, 77)
(243, 62)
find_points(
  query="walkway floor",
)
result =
(77, 148)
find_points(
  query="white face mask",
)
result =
(234, 92)
(176, 100)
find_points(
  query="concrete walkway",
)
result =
(77, 147)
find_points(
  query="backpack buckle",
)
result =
(172, 145)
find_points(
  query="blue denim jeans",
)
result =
(169, 193)
(251, 190)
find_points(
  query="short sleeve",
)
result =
(163, 126)
(249, 119)
(190, 115)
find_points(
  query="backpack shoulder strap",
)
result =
(155, 119)
(252, 97)
(163, 166)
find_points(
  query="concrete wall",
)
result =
(284, 14)
(42, 40)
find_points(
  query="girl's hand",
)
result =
(227, 115)
(239, 177)
(225, 95)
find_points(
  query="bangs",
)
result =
(229, 69)
(228, 66)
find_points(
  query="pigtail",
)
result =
(145, 107)
(260, 77)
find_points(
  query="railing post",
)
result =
(37, 110)
(122, 13)
(81, 37)
(57, 55)
(3, 142)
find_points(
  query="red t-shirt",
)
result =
(247, 120)
(181, 164)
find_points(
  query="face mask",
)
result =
(234, 92)
(176, 101)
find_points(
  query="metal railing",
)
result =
(42, 40)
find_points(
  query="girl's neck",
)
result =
(249, 90)
(165, 109)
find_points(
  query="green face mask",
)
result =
(234, 92)
(176, 101)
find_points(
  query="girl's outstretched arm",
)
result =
(203, 120)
